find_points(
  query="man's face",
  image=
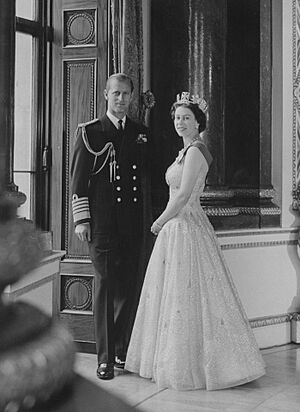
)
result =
(118, 97)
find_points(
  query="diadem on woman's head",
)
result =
(187, 98)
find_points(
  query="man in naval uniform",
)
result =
(110, 202)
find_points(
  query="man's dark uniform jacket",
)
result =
(110, 189)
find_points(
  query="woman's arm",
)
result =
(194, 161)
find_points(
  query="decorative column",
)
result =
(296, 106)
(248, 102)
(206, 75)
(220, 50)
(188, 43)
(205, 26)
(7, 87)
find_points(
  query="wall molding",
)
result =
(258, 238)
(271, 320)
(88, 66)
(257, 232)
(296, 107)
(32, 286)
(246, 245)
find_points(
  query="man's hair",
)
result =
(121, 77)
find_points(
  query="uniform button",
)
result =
(134, 166)
(134, 188)
(133, 177)
(119, 199)
(118, 177)
(135, 199)
(117, 166)
(118, 188)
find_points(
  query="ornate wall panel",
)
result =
(79, 72)
(80, 28)
(76, 292)
(79, 106)
(296, 105)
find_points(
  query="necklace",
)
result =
(184, 149)
(194, 139)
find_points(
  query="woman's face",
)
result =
(185, 122)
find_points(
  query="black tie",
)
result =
(120, 125)
(120, 138)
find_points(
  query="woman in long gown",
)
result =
(191, 330)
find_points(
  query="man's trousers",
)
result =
(116, 294)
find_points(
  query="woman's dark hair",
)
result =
(198, 113)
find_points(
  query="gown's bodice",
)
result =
(174, 176)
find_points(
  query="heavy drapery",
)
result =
(126, 22)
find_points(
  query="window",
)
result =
(24, 150)
(31, 97)
(25, 9)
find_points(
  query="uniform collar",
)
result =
(115, 120)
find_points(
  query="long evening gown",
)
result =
(191, 330)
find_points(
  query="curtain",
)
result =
(127, 46)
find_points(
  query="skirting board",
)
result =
(295, 328)
(277, 330)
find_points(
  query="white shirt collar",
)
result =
(115, 120)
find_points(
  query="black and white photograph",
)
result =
(150, 205)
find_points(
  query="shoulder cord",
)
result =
(109, 147)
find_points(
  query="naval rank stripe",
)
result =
(80, 207)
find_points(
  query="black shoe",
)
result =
(105, 371)
(119, 362)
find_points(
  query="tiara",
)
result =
(188, 98)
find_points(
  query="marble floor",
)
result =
(278, 390)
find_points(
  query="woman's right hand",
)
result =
(156, 228)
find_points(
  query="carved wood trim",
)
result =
(80, 28)
(70, 67)
(296, 106)
(271, 320)
(79, 286)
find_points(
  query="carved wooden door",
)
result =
(79, 71)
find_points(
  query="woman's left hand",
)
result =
(156, 228)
